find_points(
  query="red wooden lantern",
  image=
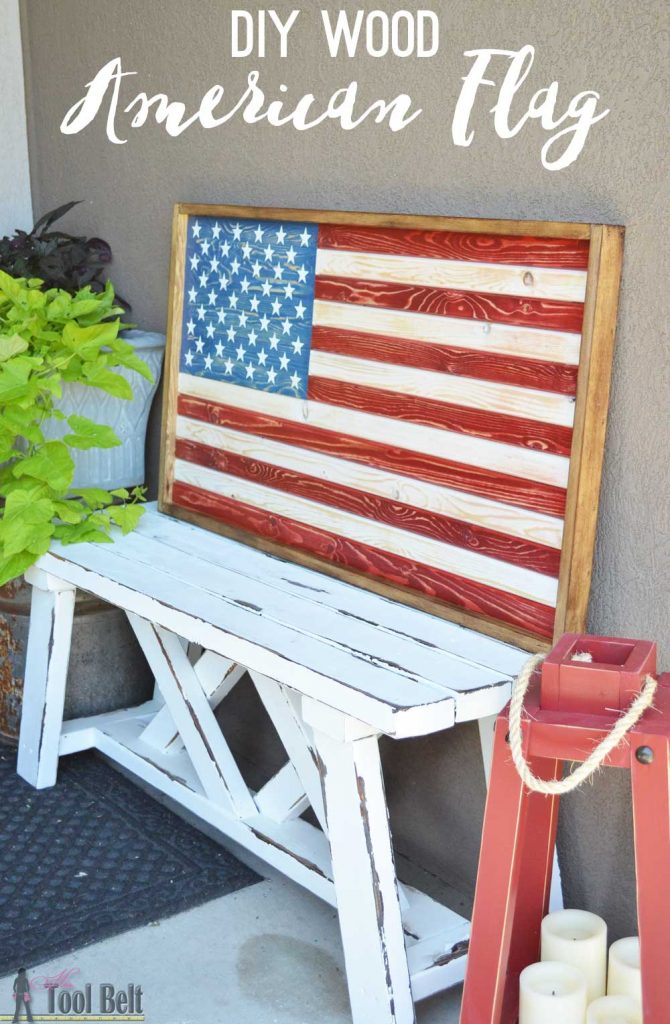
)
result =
(572, 705)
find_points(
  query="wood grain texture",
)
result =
(475, 597)
(545, 437)
(605, 267)
(461, 362)
(504, 309)
(562, 253)
(172, 354)
(372, 506)
(538, 283)
(498, 486)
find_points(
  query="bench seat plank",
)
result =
(357, 642)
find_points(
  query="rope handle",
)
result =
(597, 757)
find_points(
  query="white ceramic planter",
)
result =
(122, 466)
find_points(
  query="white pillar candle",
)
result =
(624, 977)
(579, 938)
(614, 1010)
(552, 993)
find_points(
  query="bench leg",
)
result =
(363, 868)
(47, 657)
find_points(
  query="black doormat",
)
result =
(92, 857)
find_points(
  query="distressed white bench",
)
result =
(440, 443)
(335, 666)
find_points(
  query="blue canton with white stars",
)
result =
(248, 302)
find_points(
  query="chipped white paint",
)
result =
(335, 667)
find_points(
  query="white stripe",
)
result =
(543, 406)
(467, 508)
(542, 467)
(526, 282)
(522, 342)
(411, 546)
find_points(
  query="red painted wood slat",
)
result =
(395, 513)
(461, 362)
(474, 597)
(560, 253)
(498, 486)
(502, 309)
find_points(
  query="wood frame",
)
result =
(586, 457)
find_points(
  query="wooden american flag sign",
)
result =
(391, 399)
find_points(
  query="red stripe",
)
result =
(502, 309)
(427, 412)
(525, 251)
(448, 587)
(499, 486)
(371, 506)
(461, 362)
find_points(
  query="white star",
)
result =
(189, 358)
(243, 319)
(297, 347)
(192, 295)
(237, 232)
(195, 262)
(222, 316)
(265, 323)
(288, 291)
(201, 312)
(196, 230)
(302, 274)
(295, 380)
(190, 326)
(269, 252)
(203, 280)
(223, 282)
(254, 303)
(283, 362)
(253, 337)
(300, 311)
(286, 327)
(216, 231)
(262, 357)
(210, 330)
(291, 255)
(219, 349)
(276, 307)
(241, 352)
(272, 376)
(281, 235)
(256, 269)
(214, 266)
(199, 344)
(231, 334)
(229, 366)
(225, 248)
(251, 369)
(305, 238)
(259, 233)
(205, 248)
(245, 285)
(212, 298)
(279, 272)
(208, 362)
(274, 341)
(235, 266)
(233, 300)
(246, 250)
(267, 289)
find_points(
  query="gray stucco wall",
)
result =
(621, 50)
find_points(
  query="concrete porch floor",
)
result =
(269, 954)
